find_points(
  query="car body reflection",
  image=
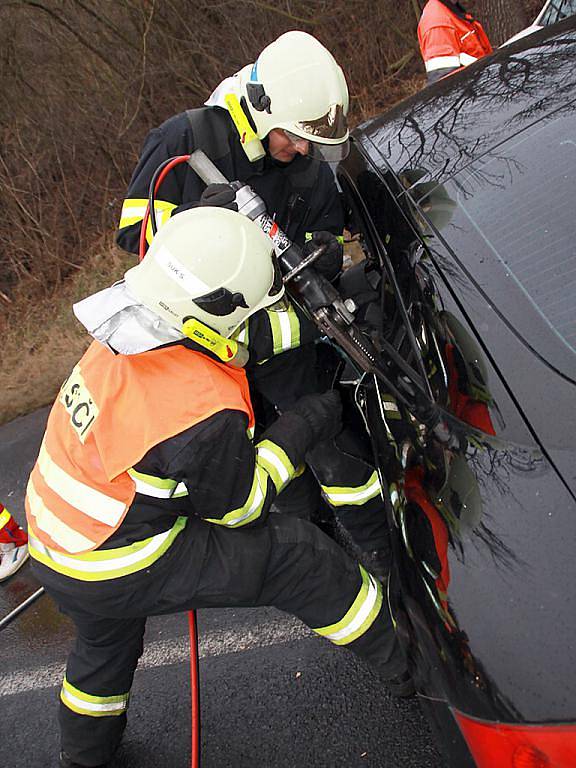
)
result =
(462, 201)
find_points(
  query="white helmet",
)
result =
(297, 86)
(210, 264)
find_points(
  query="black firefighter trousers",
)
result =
(287, 562)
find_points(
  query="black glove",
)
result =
(322, 414)
(219, 196)
(330, 263)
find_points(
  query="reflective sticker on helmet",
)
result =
(179, 273)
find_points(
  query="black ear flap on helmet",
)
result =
(221, 302)
(258, 97)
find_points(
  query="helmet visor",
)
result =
(328, 135)
(329, 153)
(331, 126)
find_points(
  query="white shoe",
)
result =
(11, 558)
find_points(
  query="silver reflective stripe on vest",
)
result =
(158, 487)
(83, 497)
(104, 564)
(60, 533)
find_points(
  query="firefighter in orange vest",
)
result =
(450, 38)
(149, 495)
(13, 544)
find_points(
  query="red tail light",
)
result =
(519, 746)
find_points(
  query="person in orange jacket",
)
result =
(450, 38)
(13, 544)
(151, 495)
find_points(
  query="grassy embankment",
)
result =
(84, 83)
(40, 338)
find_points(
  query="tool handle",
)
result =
(205, 168)
(20, 608)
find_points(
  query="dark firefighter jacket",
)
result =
(301, 195)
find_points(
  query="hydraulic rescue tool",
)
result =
(311, 290)
(333, 315)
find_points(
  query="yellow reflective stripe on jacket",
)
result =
(360, 616)
(285, 327)
(158, 487)
(93, 706)
(4, 517)
(309, 235)
(45, 520)
(86, 499)
(241, 335)
(134, 210)
(275, 462)
(338, 496)
(253, 506)
(104, 564)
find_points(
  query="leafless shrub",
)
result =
(84, 80)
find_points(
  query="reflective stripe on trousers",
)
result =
(93, 706)
(361, 614)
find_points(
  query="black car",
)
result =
(552, 11)
(463, 200)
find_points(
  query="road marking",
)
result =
(162, 653)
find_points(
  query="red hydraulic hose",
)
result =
(167, 168)
(194, 689)
(194, 662)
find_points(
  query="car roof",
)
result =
(452, 123)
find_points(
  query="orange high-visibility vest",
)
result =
(110, 412)
(448, 41)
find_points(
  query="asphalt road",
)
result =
(273, 695)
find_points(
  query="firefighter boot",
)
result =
(401, 686)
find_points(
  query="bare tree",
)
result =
(501, 18)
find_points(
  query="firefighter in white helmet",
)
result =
(272, 125)
(149, 495)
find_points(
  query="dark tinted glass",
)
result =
(447, 126)
(526, 215)
(558, 10)
(513, 225)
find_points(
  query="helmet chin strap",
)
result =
(229, 351)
